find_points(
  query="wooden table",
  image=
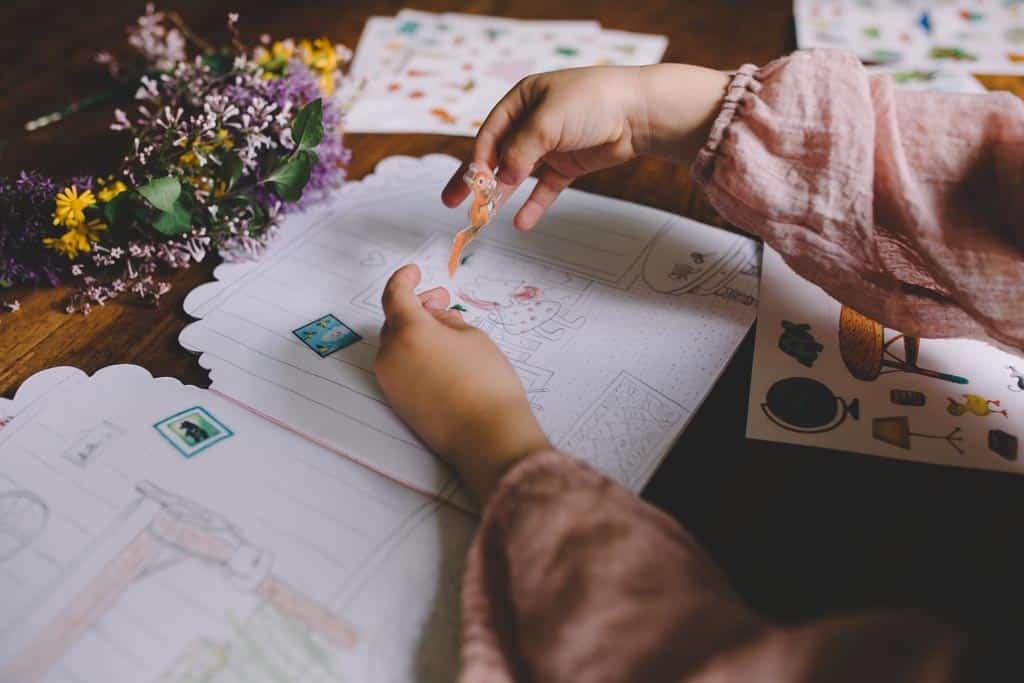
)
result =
(803, 532)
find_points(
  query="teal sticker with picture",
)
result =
(192, 430)
(326, 335)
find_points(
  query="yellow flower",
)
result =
(71, 207)
(69, 244)
(322, 57)
(224, 139)
(327, 83)
(91, 231)
(283, 49)
(110, 191)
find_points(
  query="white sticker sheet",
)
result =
(442, 73)
(826, 376)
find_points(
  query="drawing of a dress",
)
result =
(519, 308)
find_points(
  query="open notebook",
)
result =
(284, 525)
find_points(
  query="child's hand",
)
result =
(452, 385)
(573, 122)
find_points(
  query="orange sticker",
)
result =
(476, 124)
(416, 94)
(1015, 57)
(416, 73)
(392, 87)
(443, 114)
(467, 67)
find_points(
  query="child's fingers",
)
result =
(488, 139)
(524, 148)
(499, 123)
(435, 300)
(456, 190)
(550, 184)
(401, 305)
(453, 318)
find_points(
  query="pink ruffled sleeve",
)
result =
(907, 206)
(573, 578)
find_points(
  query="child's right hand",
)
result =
(573, 122)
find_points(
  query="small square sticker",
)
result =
(326, 335)
(192, 431)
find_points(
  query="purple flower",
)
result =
(26, 209)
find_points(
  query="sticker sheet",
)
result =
(826, 376)
(442, 73)
(939, 80)
(979, 36)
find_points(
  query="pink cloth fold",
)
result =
(573, 578)
(906, 206)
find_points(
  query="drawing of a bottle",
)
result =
(23, 517)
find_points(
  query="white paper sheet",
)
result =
(261, 557)
(637, 312)
(793, 402)
(442, 73)
(980, 36)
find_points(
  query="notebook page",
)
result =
(617, 317)
(154, 531)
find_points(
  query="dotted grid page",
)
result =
(617, 317)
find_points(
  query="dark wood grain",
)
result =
(803, 532)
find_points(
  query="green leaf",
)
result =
(277, 65)
(162, 192)
(219, 62)
(289, 179)
(232, 168)
(308, 127)
(174, 222)
(4, 284)
(113, 209)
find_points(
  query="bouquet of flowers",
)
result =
(221, 145)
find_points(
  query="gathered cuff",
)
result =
(746, 80)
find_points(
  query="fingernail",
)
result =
(433, 304)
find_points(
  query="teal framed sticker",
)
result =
(192, 431)
(326, 335)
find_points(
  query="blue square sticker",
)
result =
(326, 335)
(192, 430)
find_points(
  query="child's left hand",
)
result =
(452, 385)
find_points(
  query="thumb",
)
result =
(400, 303)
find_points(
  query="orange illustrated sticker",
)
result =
(416, 94)
(417, 73)
(392, 87)
(443, 114)
(482, 183)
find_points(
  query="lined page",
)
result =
(618, 319)
(129, 551)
